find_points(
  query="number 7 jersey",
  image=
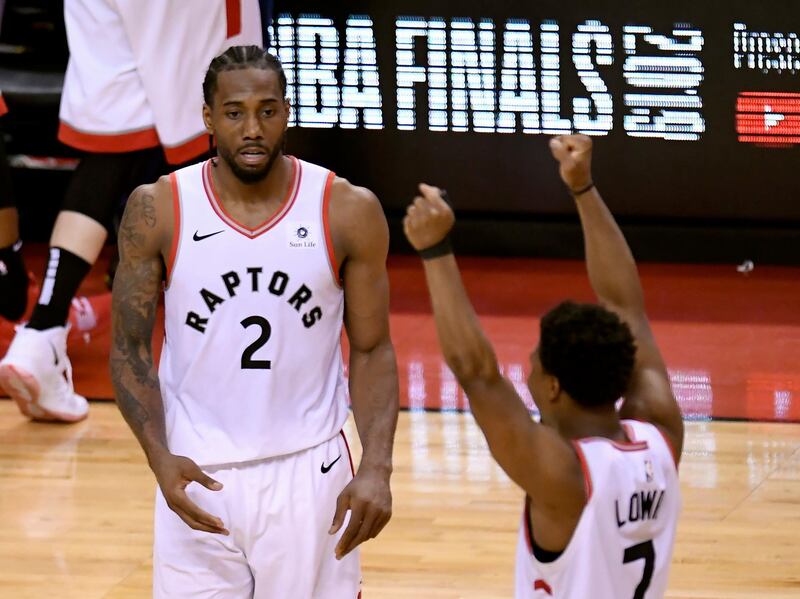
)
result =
(251, 365)
(622, 545)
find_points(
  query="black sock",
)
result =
(65, 271)
(13, 282)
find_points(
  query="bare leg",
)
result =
(79, 234)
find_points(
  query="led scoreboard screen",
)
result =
(694, 107)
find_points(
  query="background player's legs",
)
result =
(13, 277)
(96, 192)
(291, 552)
(197, 565)
(36, 371)
(171, 73)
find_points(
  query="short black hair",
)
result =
(590, 350)
(237, 58)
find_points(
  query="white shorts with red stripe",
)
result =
(136, 68)
(278, 512)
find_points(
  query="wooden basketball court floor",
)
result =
(76, 501)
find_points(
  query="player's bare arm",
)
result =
(361, 241)
(534, 456)
(615, 280)
(144, 237)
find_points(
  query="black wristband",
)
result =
(442, 248)
(582, 191)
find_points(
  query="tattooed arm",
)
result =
(144, 237)
(137, 287)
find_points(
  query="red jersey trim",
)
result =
(326, 199)
(187, 150)
(526, 521)
(587, 476)
(113, 143)
(176, 226)
(633, 445)
(3, 107)
(349, 455)
(233, 17)
(283, 209)
(670, 446)
(541, 585)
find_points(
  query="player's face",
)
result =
(249, 120)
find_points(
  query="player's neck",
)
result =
(592, 423)
(274, 186)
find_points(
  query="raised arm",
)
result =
(615, 280)
(137, 288)
(534, 456)
(362, 237)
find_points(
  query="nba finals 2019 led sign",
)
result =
(486, 76)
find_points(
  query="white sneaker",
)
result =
(36, 373)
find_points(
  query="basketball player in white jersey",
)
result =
(602, 493)
(131, 90)
(265, 257)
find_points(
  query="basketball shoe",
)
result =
(36, 373)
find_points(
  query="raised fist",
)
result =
(428, 219)
(574, 155)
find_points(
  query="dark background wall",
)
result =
(712, 198)
(709, 195)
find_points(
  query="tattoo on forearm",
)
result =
(135, 299)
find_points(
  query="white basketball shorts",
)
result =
(136, 68)
(278, 512)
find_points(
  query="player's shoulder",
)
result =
(150, 205)
(158, 191)
(356, 200)
(356, 219)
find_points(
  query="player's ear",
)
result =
(553, 387)
(207, 119)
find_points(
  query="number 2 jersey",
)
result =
(622, 545)
(251, 365)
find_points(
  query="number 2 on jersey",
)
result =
(248, 363)
(647, 552)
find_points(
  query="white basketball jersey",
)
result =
(251, 365)
(622, 546)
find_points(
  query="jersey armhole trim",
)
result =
(176, 227)
(326, 225)
(670, 446)
(587, 476)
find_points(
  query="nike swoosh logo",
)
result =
(55, 355)
(202, 237)
(325, 469)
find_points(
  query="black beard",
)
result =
(250, 176)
